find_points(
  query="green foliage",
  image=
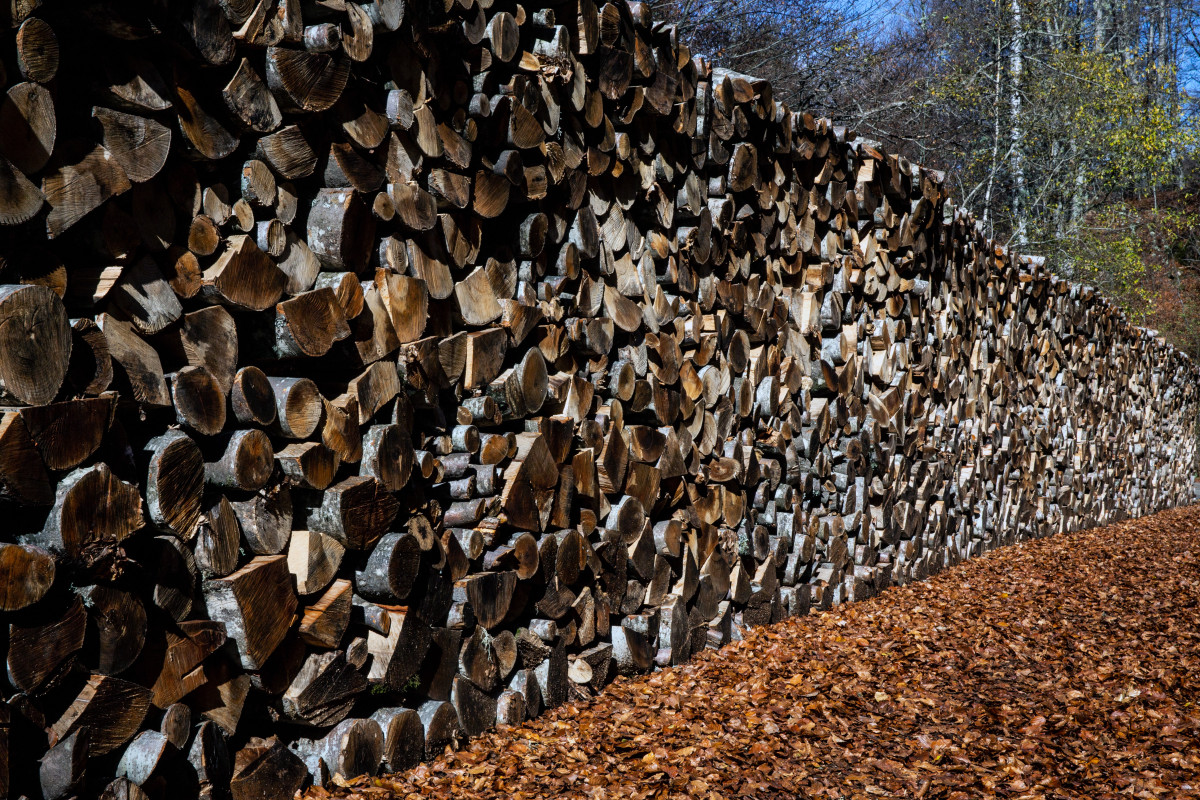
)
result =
(1108, 255)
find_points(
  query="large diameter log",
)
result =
(324, 690)
(397, 656)
(35, 343)
(23, 475)
(111, 709)
(356, 512)
(67, 433)
(39, 650)
(353, 748)
(26, 574)
(92, 508)
(256, 605)
(117, 622)
(266, 768)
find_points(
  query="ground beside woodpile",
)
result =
(1064, 667)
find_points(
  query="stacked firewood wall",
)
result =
(375, 373)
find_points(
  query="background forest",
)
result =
(1071, 129)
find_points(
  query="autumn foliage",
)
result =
(1066, 667)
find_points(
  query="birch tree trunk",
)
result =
(1017, 133)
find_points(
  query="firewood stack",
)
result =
(375, 373)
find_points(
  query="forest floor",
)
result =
(1063, 667)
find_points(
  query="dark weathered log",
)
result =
(28, 127)
(265, 768)
(356, 512)
(245, 463)
(403, 738)
(390, 571)
(74, 527)
(175, 483)
(253, 397)
(111, 709)
(353, 747)
(397, 655)
(441, 726)
(324, 690)
(198, 399)
(35, 343)
(266, 519)
(39, 650)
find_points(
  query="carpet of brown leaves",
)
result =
(1066, 667)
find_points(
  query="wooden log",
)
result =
(356, 512)
(403, 738)
(325, 622)
(253, 397)
(314, 558)
(217, 539)
(175, 484)
(198, 399)
(74, 527)
(265, 768)
(256, 605)
(390, 571)
(245, 463)
(40, 649)
(308, 464)
(139, 144)
(36, 343)
(266, 519)
(353, 748)
(243, 276)
(111, 709)
(324, 691)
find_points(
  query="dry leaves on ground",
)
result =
(1064, 667)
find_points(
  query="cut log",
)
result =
(356, 512)
(314, 558)
(38, 651)
(92, 509)
(324, 622)
(324, 691)
(298, 406)
(217, 540)
(256, 605)
(253, 397)
(111, 709)
(390, 571)
(35, 343)
(139, 362)
(246, 462)
(175, 484)
(266, 519)
(403, 738)
(265, 768)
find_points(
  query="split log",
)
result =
(256, 605)
(36, 343)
